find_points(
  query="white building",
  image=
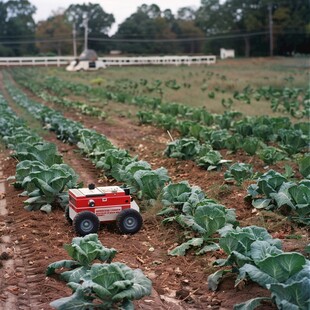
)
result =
(227, 53)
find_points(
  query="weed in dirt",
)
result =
(221, 191)
(293, 236)
(272, 221)
(2, 145)
(111, 121)
(151, 208)
(97, 81)
(210, 268)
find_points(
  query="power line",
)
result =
(37, 41)
(298, 29)
(190, 39)
(207, 38)
(180, 40)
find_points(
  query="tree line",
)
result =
(252, 28)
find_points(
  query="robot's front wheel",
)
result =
(86, 223)
(129, 221)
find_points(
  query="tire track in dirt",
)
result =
(14, 288)
(19, 276)
(7, 297)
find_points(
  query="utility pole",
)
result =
(270, 30)
(85, 24)
(74, 40)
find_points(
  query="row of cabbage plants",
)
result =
(40, 170)
(272, 191)
(189, 206)
(60, 98)
(253, 135)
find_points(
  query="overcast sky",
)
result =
(121, 9)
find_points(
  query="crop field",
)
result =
(217, 157)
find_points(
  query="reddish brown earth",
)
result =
(34, 240)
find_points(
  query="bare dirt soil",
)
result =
(32, 240)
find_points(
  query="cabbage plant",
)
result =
(273, 192)
(83, 251)
(234, 142)
(106, 286)
(290, 294)
(66, 130)
(126, 173)
(286, 275)
(24, 168)
(218, 138)
(239, 172)
(242, 245)
(43, 152)
(178, 198)
(47, 186)
(98, 286)
(190, 208)
(270, 155)
(211, 160)
(207, 219)
(185, 148)
(269, 183)
(294, 293)
(167, 122)
(150, 183)
(92, 143)
(250, 145)
(112, 159)
(293, 141)
(145, 117)
(304, 166)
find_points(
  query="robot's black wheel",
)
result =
(86, 223)
(129, 221)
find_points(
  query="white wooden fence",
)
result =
(34, 61)
(109, 61)
(158, 60)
